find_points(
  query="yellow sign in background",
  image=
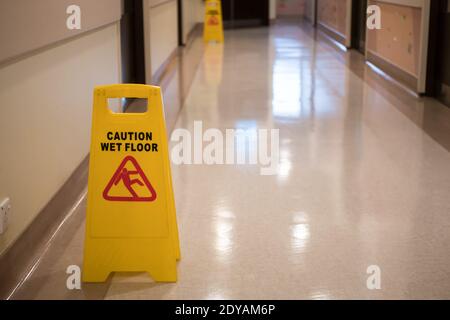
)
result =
(131, 220)
(213, 28)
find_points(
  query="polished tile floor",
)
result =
(364, 179)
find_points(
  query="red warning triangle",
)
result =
(132, 181)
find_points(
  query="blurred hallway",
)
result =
(364, 179)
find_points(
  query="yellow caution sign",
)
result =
(213, 29)
(131, 220)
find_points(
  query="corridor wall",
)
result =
(192, 15)
(310, 11)
(161, 30)
(272, 10)
(334, 17)
(47, 75)
(290, 7)
(161, 34)
(400, 47)
(444, 63)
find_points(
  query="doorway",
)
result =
(359, 18)
(248, 13)
(132, 42)
(442, 67)
(180, 22)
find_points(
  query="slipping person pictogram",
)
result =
(125, 176)
(129, 178)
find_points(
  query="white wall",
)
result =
(310, 11)
(201, 12)
(273, 9)
(161, 29)
(192, 10)
(27, 25)
(161, 22)
(45, 119)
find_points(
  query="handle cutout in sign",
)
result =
(127, 105)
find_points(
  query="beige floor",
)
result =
(364, 180)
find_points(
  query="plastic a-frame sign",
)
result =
(131, 220)
(213, 27)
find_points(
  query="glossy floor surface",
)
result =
(364, 179)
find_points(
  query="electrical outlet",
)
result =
(5, 211)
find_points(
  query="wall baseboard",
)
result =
(161, 75)
(331, 33)
(195, 32)
(16, 261)
(398, 74)
(311, 21)
(444, 94)
(165, 67)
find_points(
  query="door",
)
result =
(359, 18)
(132, 42)
(443, 53)
(180, 22)
(248, 13)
